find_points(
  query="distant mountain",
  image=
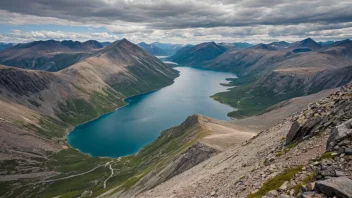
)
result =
(48, 55)
(169, 49)
(6, 45)
(346, 42)
(280, 71)
(307, 43)
(239, 45)
(152, 49)
(326, 43)
(198, 54)
(280, 44)
(85, 46)
(264, 47)
(105, 43)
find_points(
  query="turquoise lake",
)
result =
(130, 128)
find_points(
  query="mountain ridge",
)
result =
(50, 55)
(40, 107)
(198, 54)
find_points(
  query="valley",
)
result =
(148, 126)
(130, 128)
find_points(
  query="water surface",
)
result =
(130, 128)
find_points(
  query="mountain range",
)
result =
(276, 72)
(48, 55)
(198, 54)
(285, 98)
(160, 49)
(38, 107)
(6, 45)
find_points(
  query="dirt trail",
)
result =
(112, 173)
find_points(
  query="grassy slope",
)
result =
(128, 170)
(70, 161)
(252, 99)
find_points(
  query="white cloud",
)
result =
(18, 36)
(183, 21)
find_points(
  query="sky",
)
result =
(180, 21)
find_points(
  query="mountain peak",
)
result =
(308, 42)
(125, 40)
(122, 46)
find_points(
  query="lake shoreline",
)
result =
(72, 140)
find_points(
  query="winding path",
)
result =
(112, 173)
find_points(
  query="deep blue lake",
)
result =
(130, 128)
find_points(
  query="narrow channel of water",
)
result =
(130, 128)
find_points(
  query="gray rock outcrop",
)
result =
(340, 136)
(298, 132)
(338, 186)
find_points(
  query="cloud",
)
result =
(18, 36)
(184, 20)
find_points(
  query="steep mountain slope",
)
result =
(308, 43)
(270, 74)
(275, 164)
(48, 55)
(96, 84)
(38, 108)
(198, 54)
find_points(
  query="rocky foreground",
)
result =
(308, 154)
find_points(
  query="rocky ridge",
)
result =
(279, 161)
(330, 173)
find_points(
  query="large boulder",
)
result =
(338, 186)
(342, 132)
(298, 132)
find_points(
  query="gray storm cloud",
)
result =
(224, 18)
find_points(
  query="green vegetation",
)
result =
(292, 145)
(276, 182)
(8, 165)
(144, 84)
(305, 181)
(326, 155)
(286, 149)
(48, 127)
(4, 187)
(278, 154)
(77, 185)
(251, 97)
(128, 170)
(70, 161)
(77, 111)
